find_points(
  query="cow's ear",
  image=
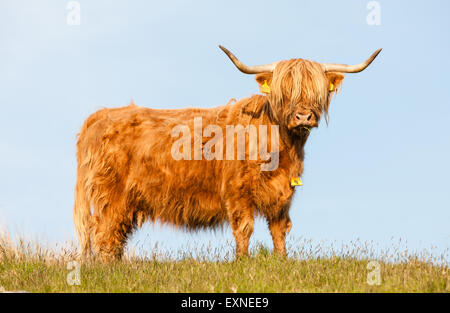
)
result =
(334, 80)
(264, 80)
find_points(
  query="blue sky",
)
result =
(379, 169)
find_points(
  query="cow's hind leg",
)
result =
(82, 219)
(279, 227)
(241, 220)
(110, 236)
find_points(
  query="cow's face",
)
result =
(299, 93)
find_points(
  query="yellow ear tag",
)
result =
(265, 87)
(296, 182)
(331, 86)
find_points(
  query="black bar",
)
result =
(224, 302)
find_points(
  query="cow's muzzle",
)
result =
(303, 120)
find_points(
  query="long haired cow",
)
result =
(127, 173)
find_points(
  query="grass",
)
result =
(26, 266)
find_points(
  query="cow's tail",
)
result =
(82, 217)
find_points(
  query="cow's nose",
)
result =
(303, 118)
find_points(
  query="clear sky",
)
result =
(380, 169)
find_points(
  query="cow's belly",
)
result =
(190, 208)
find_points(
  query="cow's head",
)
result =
(299, 91)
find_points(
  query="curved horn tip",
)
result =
(372, 57)
(376, 53)
(256, 69)
(344, 68)
(227, 52)
(222, 48)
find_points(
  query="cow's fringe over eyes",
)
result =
(299, 82)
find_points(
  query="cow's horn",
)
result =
(248, 69)
(343, 68)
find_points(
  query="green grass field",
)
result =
(26, 266)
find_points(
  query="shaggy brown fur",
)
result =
(127, 175)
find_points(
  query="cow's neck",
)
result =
(292, 151)
(291, 146)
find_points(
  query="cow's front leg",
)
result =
(241, 221)
(279, 227)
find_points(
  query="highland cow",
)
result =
(127, 173)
